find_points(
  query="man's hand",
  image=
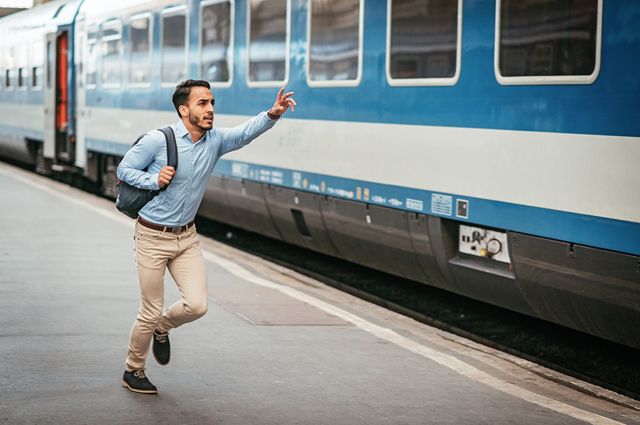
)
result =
(283, 102)
(165, 176)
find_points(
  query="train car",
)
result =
(489, 148)
(36, 87)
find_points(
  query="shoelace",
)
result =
(139, 374)
(161, 338)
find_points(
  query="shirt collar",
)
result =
(181, 130)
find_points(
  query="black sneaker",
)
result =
(161, 347)
(137, 382)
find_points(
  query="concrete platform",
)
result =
(275, 347)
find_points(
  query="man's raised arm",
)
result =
(241, 135)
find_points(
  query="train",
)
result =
(490, 148)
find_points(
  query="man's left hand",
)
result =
(283, 102)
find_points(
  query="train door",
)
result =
(57, 144)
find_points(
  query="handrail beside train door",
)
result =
(49, 149)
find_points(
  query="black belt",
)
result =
(161, 228)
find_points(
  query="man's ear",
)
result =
(183, 110)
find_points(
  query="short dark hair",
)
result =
(181, 95)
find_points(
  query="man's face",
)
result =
(200, 106)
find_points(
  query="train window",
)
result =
(268, 42)
(36, 77)
(548, 41)
(22, 71)
(8, 78)
(423, 42)
(174, 45)
(140, 37)
(91, 67)
(8, 72)
(216, 39)
(79, 55)
(111, 72)
(51, 62)
(335, 47)
(37, 58)
(23, 77)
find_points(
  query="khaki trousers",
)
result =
(156, 251)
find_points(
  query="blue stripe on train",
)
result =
(22, 133)
(599, 232)
(583, 229)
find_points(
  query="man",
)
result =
(165, 236)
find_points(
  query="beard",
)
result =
(200, 122)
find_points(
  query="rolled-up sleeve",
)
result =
(239, 136)
(136, 160)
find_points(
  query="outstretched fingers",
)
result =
(292, 104)
(284, 101)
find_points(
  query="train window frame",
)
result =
(336, 83)
(79, 57)
(166, 13)
(50, 65)
(22, 77)
(36, 84)
(95, 30)
(272, 83)
(37, 64)
(22, 69)
(7, 75)
(436, 81)
(7, 78)
(108, 24)
(138, 16)
(547, 79)
(231, 60)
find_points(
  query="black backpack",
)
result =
(131, 199)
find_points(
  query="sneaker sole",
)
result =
(135, 390)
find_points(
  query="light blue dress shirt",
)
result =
(178, 204)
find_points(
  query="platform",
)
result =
(274, 348)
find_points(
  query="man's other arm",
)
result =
(138, 158)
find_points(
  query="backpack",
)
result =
(131, 199)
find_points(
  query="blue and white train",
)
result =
(489, 148)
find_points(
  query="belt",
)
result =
(161, 228)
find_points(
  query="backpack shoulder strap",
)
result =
(172, 150)
(172, 147)
(138, 139)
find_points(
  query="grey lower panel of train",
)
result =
(591, 290)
